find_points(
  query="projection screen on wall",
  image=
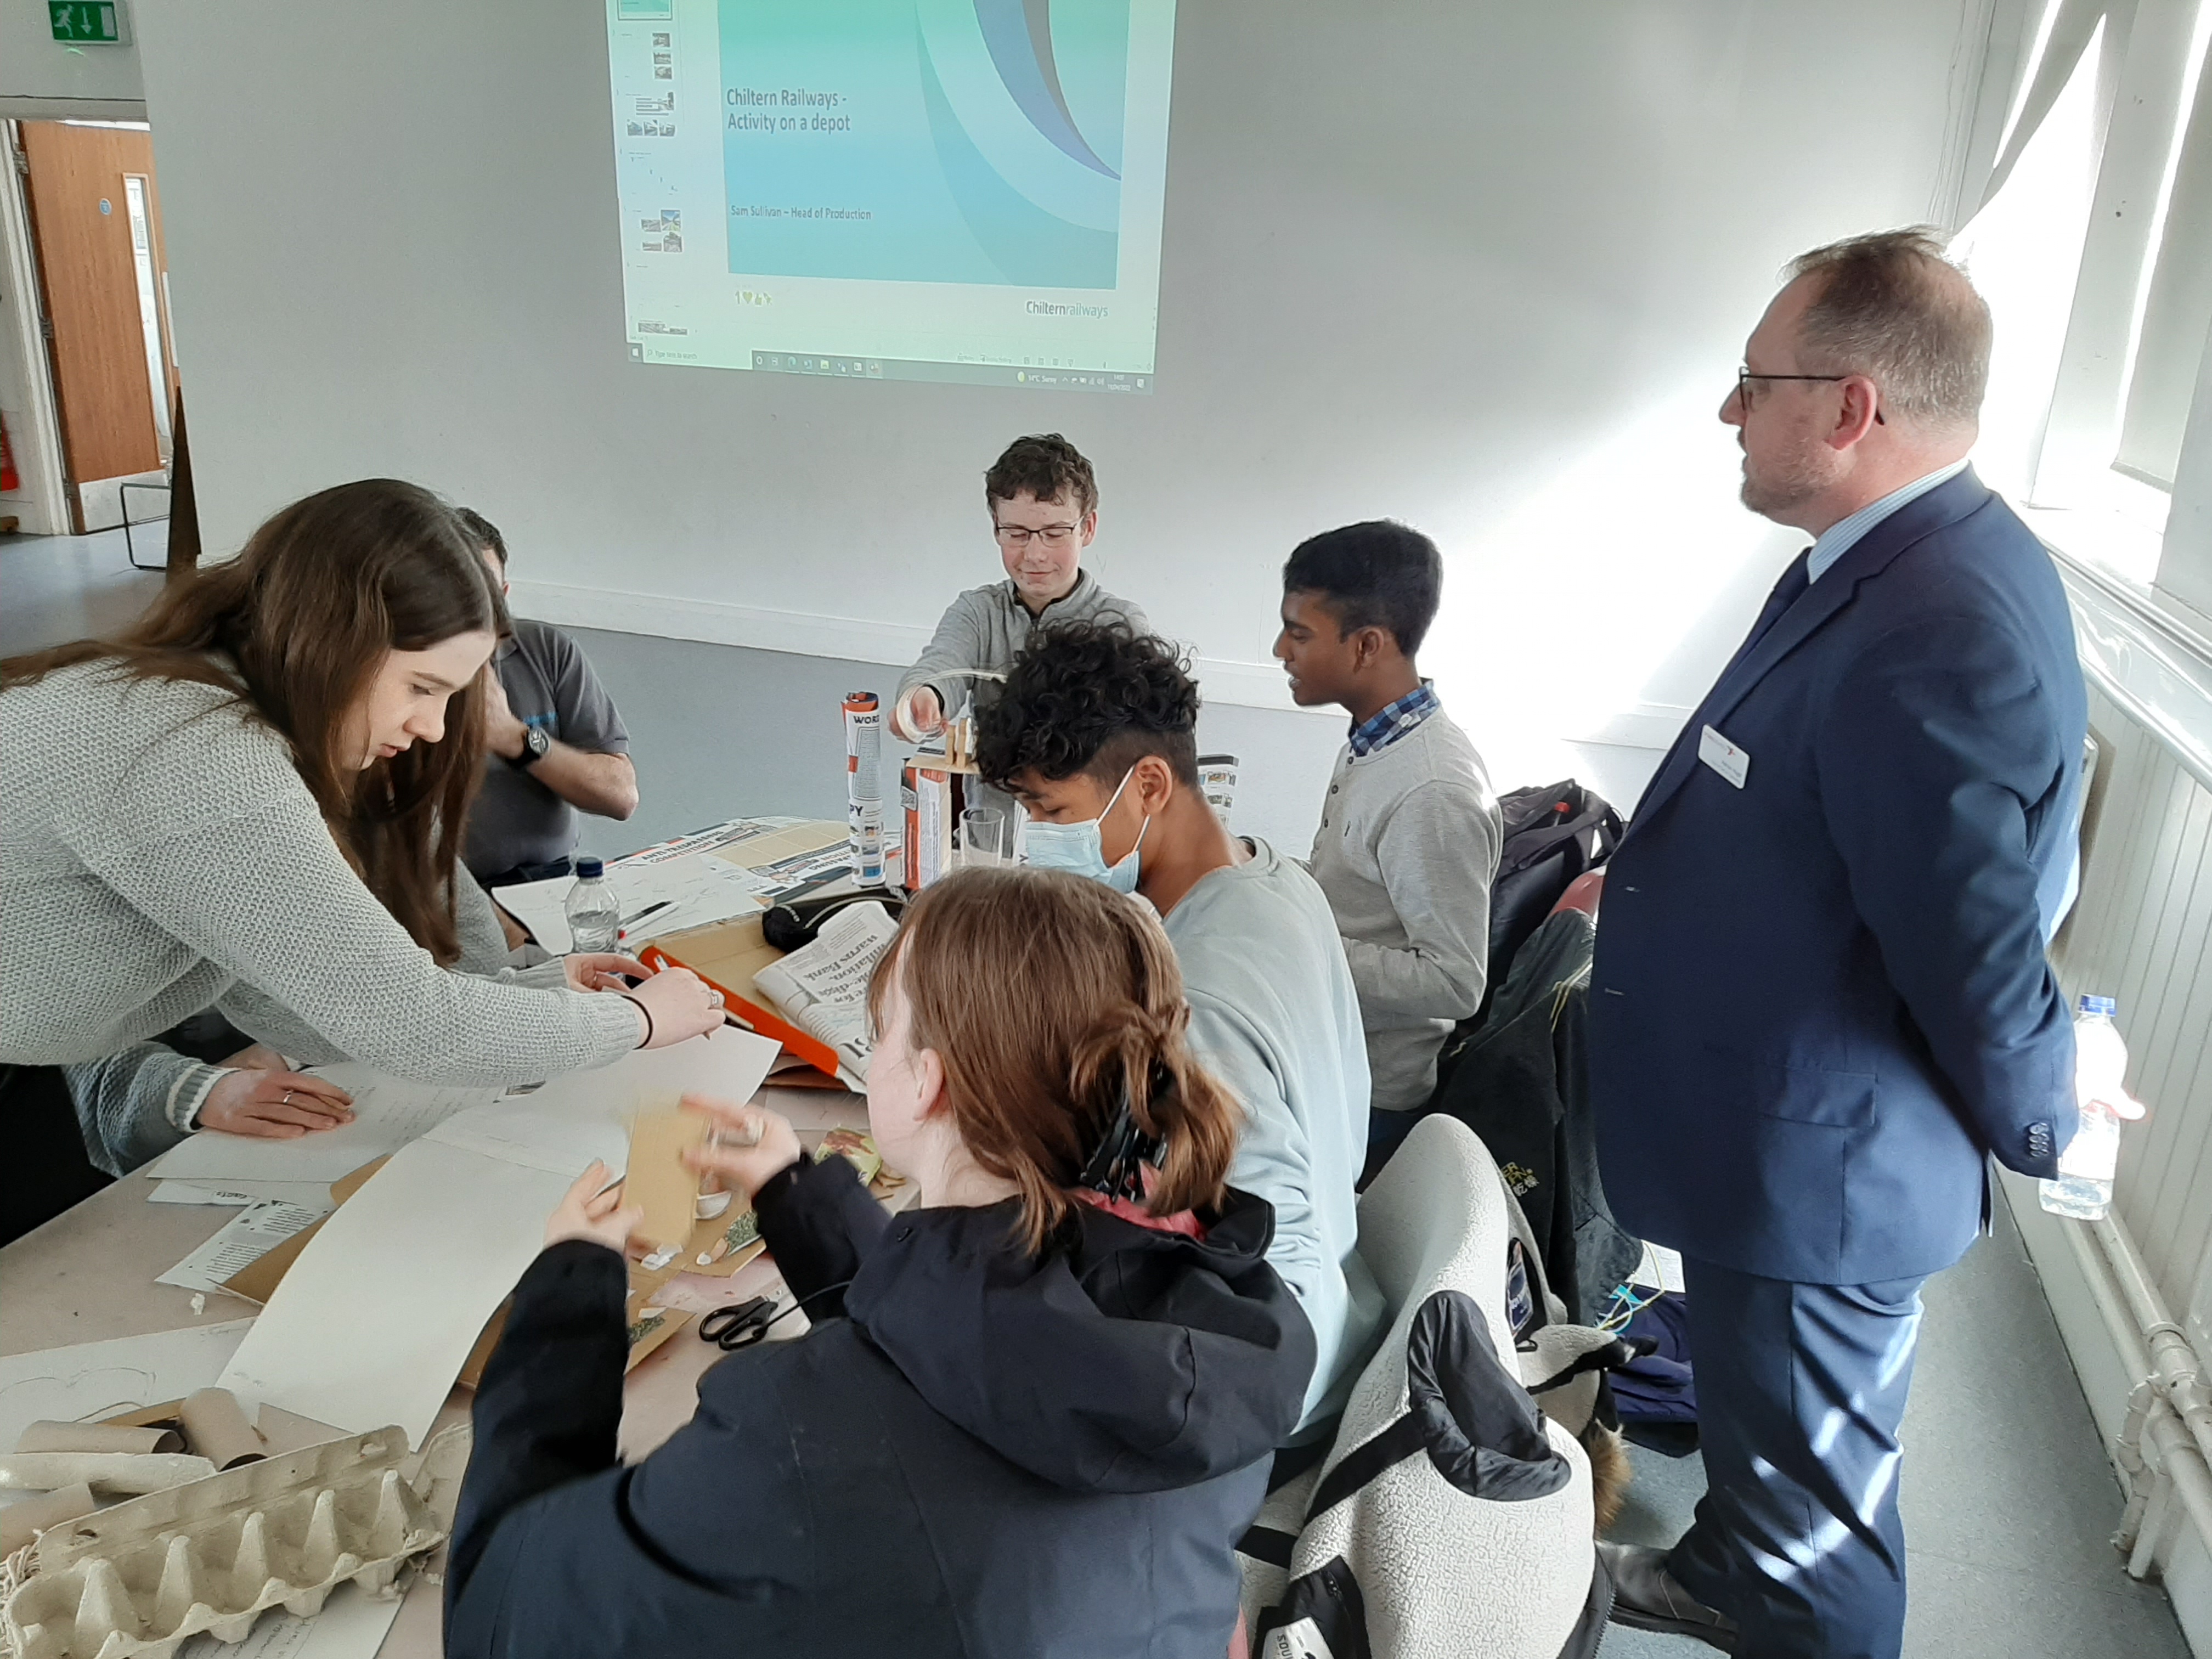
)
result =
(967, 191)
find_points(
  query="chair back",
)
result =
(1450, 1515)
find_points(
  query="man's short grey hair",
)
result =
(1891, 307)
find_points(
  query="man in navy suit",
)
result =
(1820, 998)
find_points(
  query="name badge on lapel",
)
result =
(1723, 756)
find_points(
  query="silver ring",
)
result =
(287, 1100)
(714, 999)
(748, 1135)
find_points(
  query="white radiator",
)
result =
(2141, 933)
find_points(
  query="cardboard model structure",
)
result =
(142, 1577)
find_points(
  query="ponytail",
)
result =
(1057, 1008)
(1135, 1068)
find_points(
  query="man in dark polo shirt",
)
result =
(557, 744)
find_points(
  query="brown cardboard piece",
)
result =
(147, 1417)
(728, 952)
(258, 1279)
(726, 955)
(657, 1179)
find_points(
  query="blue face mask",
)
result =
(1078, 849)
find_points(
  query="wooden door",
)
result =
(80, 221)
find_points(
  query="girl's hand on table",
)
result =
(276, 1104)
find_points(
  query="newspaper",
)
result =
(823, 988)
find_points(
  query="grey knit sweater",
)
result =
(1406, 850)
(160, 854)
(135, 1105)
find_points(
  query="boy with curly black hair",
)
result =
(1096, 734)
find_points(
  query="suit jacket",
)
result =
(1822, 998)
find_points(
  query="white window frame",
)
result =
(2151, 55)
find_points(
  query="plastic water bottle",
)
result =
(594, 913)
(2084, 1187)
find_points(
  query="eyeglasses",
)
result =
(1019, 536)
(1744, 377)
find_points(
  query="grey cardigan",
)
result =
(160, 854)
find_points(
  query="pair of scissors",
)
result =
(738, 1326)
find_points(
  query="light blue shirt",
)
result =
(1274, 1015)
(1838, 539)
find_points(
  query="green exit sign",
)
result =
(87, 22)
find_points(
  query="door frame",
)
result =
(44, 506)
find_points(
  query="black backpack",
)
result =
(1551, 835)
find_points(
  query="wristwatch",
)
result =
(536, 745)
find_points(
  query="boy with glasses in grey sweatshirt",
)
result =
(1043, 502)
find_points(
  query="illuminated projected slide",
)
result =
(964, 189)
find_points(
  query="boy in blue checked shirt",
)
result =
(1410, 830)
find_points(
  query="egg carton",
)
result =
(143, 1577)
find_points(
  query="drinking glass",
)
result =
(983, 838)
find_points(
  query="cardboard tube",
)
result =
(217, 1429)
(97, 1438)
(123, 1472)
(21, 1522)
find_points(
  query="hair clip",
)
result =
(1116, 1167)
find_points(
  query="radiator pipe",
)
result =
(2142, 1479)
(2187, 1478)
(2176, 1373)
(2168, 1410)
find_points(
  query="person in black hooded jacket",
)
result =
(1034, 1413)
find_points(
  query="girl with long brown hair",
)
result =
(257, 796)
(1034, 1413)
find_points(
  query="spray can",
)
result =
(863, 788)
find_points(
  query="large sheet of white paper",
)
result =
(574, 1119)
(373, 1322)
(388, 1112)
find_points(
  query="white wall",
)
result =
(40, 76)
(1485, 267)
